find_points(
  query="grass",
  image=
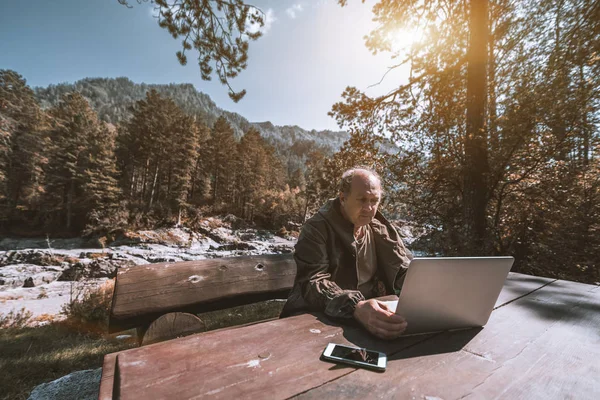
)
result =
(31, 356)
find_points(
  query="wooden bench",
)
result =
(162, 300)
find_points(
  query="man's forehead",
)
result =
(366, 183)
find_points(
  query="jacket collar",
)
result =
(331, 212)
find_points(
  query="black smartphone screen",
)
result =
(362, 355)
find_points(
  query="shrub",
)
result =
(15, 320)
(89, 310)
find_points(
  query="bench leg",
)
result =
(171, 326)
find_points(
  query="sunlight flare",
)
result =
(404, 39)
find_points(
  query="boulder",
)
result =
(81, 385)
(28, 275)
(234, 246)
(163, 259)
(246, 235)
(281, 249)
(219, 235)
(35, 257)
(97, 268)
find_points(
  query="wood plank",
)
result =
(518, 339)
(285, 372)
(143, 293)
(277, 359)
(518, 285)
(108, 377)
(561, 363)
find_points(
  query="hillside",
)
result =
(112, 99)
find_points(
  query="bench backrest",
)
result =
(145, 292)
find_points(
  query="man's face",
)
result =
(360, 205)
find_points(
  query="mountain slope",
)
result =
(112, 99)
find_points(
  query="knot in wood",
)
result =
(195, 278)
(223, 268)
(259, 267)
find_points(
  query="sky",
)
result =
(310, 51)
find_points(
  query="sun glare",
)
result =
(404, 39)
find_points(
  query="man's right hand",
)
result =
(379, 320)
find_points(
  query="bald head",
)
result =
(362, 174)
(360, 193)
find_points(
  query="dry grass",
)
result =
(30, 356)
(89, 309)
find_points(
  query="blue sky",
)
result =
(309, 53)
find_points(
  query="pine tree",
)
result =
(253, 171)
(200, 183)
(23, 142)
(222, 155)
(219, 31)
(158, 154)
(80, 173)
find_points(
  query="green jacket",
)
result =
(327, 273)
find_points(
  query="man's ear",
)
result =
(342, 197)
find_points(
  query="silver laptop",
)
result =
(442, 293)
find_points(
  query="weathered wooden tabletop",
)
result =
(541, 342)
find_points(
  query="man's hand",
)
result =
(379, 320)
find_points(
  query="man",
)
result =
(347, 254)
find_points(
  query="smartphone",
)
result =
(356, 356)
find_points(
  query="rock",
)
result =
(173, 237)
(219, 235)
(98, 268)
(234, 222)
(293, 226)
(28, 282)
(246, 235)
(281, 249)
(35, 257)
(164, 259)
(81, 385)
(123, 337)
(237, 246)
(14, 276)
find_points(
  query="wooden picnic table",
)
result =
(542, 342)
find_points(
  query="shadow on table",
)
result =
(440, 343)
(408, 346)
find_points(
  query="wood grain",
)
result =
(280, 359)
(544, 345)
(107, 381)
(145, 292)
(171, 326)
(518, 285)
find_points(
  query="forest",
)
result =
(507, 165)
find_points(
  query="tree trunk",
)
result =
(153, 187)
(476, 156)
(491, 95)
(70, 195)
(132, 185)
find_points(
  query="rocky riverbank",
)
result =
(41, 275)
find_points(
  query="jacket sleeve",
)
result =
(314, 277)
